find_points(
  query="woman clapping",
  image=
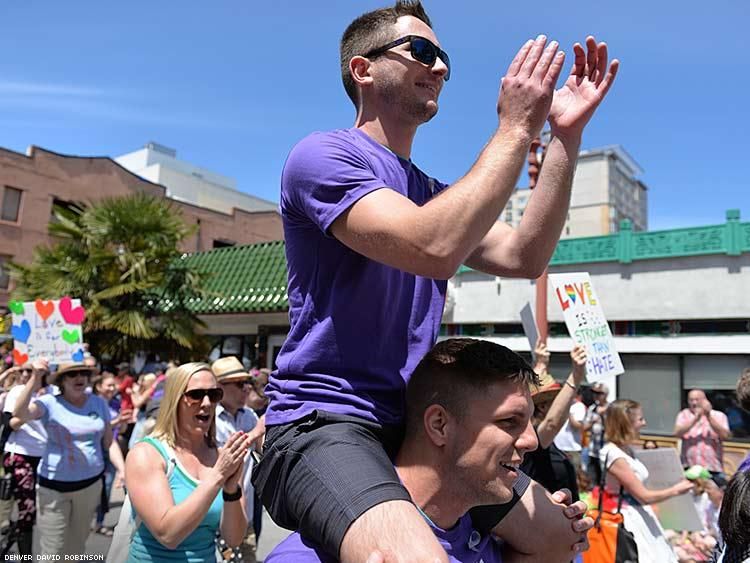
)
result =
(181, 486)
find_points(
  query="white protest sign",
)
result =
(665, 470)
(529, 325)
(47, 329)
(586, 324)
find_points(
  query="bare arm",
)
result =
(234, 516)
(146, 480)
(559, 410)
(536, 237)
(115, 456)
(632, 485)
(718, 425)
(24, 410)
(528, 249)
(391, 229)
(538, 510)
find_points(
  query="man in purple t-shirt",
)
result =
(455, 398)
(370, 241)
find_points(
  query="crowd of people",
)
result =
(373, 441)
(62, 441)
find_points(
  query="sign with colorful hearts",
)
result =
(587, 324)
(48, 329)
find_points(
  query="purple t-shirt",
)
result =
(745, 465)
(462, 543)
(358, 327)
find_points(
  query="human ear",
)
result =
(359, 68)
(436, 422)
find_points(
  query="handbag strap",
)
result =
(602, 483)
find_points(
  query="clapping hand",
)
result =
(229, 464)
(583, 91)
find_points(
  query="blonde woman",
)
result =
(623, 422)
(181, 486)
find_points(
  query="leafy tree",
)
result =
(121, 257)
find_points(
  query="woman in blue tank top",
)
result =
(179, 483)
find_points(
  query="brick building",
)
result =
(31, 183)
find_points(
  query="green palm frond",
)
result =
(120, 256)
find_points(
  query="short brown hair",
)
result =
(457, 369)
(370, 31)
(618, 428)
(743, 389)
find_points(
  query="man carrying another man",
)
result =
(369, 254)
(467, 430)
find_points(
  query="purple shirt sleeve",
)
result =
(323, 177)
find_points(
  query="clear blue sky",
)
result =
(232, 85)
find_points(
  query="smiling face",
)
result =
(637, 420)
(195, 416)
(488, 442)
(402, 83)
(107, 388)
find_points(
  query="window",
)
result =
(221, 243)
(4, 274)
(11, 204)
(62, 205)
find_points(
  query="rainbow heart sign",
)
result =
(587, 325)
(47, 329)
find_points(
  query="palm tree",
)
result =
(121, 257)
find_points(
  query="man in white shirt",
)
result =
(232, 416)
(569, 439)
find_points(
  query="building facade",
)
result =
(606, 190)
(676, 301)
(189, 183)
(31, 183)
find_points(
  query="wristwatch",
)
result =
(231, 497)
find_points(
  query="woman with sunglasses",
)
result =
(72, 466)
(182, 488)
(23, 451)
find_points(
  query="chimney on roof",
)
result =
(162, 149)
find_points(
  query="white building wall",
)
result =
(191, 184)
(703, 287)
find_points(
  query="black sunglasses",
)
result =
(214, 394)
(423, 50)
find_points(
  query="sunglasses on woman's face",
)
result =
(214, 394)
(422, 50)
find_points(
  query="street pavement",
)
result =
(97, 544)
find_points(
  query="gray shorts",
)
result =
(319, 474)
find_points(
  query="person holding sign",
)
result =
(72, 466)
(547, 464)
(625, 476)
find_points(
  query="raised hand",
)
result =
(527, 88)
(231, 457)
(541, 355)
(578, 358)
(583, 91)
